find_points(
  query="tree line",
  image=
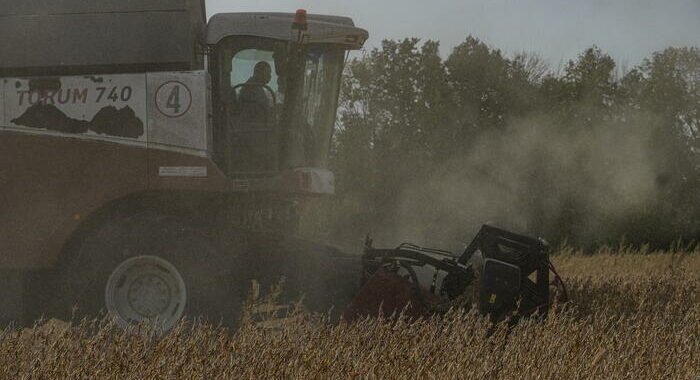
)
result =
(428, 148)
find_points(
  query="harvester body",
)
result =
(153, 163)
(133, 129)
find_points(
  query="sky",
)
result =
(558, 30)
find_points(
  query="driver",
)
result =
(254, 95)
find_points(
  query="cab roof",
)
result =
(321, 29)
(70, 37)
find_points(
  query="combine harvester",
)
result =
(153, 164)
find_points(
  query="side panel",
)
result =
(48, 184)
(168, 111)
(66, 152)
(179, 120)
(111, 108)
(178, 113)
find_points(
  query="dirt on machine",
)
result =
(154, 163)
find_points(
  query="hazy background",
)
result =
(578, 121)
(557, 29)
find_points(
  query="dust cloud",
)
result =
(531, 178)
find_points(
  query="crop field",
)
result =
(633, 315)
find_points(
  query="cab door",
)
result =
(250, 97)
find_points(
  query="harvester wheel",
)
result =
(152, 268)
(146, 287)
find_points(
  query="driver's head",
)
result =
(262, 73)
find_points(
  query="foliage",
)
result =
(587, 155)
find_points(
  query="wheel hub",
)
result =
(149, 295)
(146, 288)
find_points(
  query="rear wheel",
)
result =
(153, 268)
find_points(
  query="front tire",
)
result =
(152, 268)
(146, 288)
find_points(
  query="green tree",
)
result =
(584, 95)
(396, 108)
(479, 75)
(670, 91)
(500, 127)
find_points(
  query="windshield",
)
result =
(322, 73)
(277, 108)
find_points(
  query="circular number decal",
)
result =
(173, 99)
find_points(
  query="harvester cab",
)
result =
(255, 94)
(276, 80)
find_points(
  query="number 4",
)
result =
(174, 100)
